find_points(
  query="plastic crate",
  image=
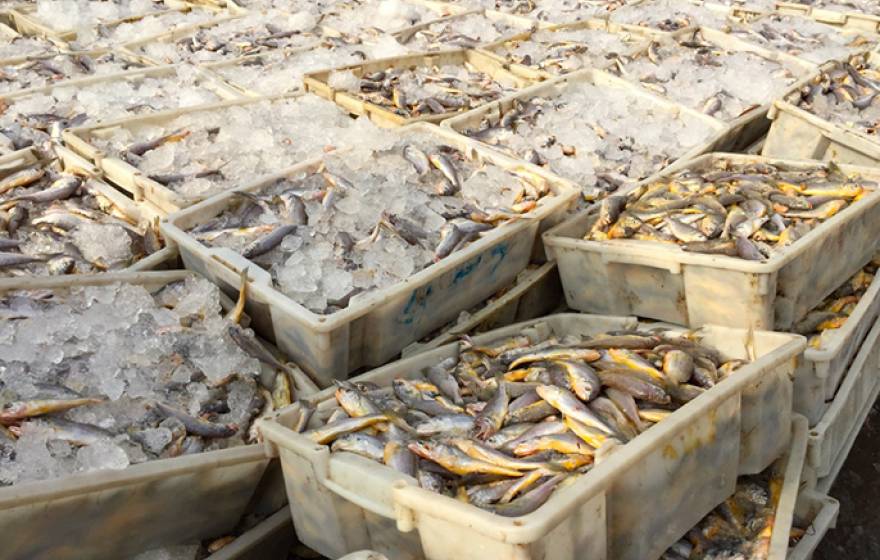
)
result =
(687, 463)
(846, 414)
(662, 281)
(113, 514)
(820, 372)
(819, 513)
(855, 20)
(375, 329)
(317, 82)
(494, 111)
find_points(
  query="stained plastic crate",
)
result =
(270, 540)
(687, 463)
(829, 438)
(821, 370)
(818, 513)
(536, 293)
(317, 82)
(28, 22)
(662, 281)
(614, 85)
(107, 515)
(791, 465)
(373, 330)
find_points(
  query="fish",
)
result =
(360, 444)
(447, 168)
(568, 404)
(334, 430)
(491, 418)
(418, 159)
(268, 242)
(456, 461)
(15, 412)
(197, 426)
(139, 149)
(529, 502)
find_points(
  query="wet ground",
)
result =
(857, 536)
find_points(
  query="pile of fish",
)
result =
(741, 527)
(423, 91)
(75, 398)
(360, 222)
(707, 77)
(565, 50)
(32, 119)
(602, 138)
(803, 37)
(468, 31)
(834, 311)
(846, 94)
(254, 33)
(52, 222)
(200, 153)
(501, 426)
(749, 210)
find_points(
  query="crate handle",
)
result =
(651, 261)
(236, 263)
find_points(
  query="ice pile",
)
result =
(40, 72)
(149, 26)
(667, 15)
(560, 11)
(74, 15)
(254, 33)
(23, 46)
(720, 82)
(213, 157)
(369, 219)
(351, 20)
(602, 138)
(463, 32)
(131, 353)
(566, 50)
(28, 119)
(281, 72)
(803, 37)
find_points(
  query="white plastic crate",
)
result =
(376, 328)
(687, 463)
(830, 438)
(821, 370)
(661, 281)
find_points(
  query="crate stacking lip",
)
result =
(111, 514)
(374, 329)
(661, 281)
(685, 462)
